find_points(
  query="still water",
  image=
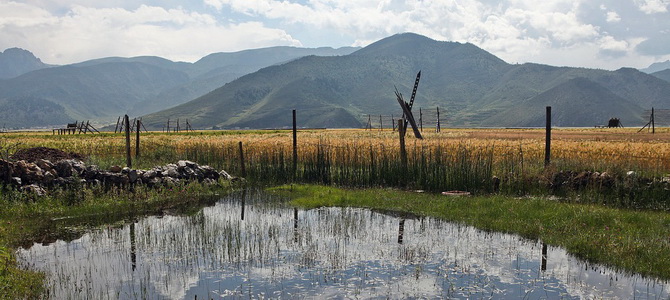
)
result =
(249, 245)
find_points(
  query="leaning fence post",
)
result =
(547, 147)
(127, 124)
(295, 145)
(243, 170)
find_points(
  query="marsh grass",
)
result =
(67, 213)
(634, 241)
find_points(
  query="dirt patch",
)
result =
(51, 154)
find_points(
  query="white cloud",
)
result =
(86, 33)
(609, 43)
(652, 6)
(516, 30)
(613, 17)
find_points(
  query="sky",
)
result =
(605, 34)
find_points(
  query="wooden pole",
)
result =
(653, 123)
(381, 125)
(393, 122)
(295, 145)
(403, 151)
(437, 129)
(127, 125)
(117, 124)
(547, 147)
(243, 170)
(137, 139)
(168, 126)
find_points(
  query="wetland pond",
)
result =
(252, 245)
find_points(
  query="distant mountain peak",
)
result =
(16, 61)
(656, 67)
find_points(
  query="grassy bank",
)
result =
(632, 240)
(62, 214)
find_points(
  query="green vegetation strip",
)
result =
(68, 214)
(630, 240)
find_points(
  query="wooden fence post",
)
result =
(653, 122)
(137, 139)
(118, 120)
(381, 125)
(295, 145)
(243, 170)
(437, 129)
(129, 163)
(547, 147)
(403, 151)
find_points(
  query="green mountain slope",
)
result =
(577, 102)
(352, 85)
(100, 91)
(217, 69)
(471, 86)
(15, 112)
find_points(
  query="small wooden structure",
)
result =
(614, 123)
(75, 128)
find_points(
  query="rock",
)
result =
(170, 181)
(65, 168)
(171, 171)
(150, 175)
(44, 164)
(49, 176)
(155, 181)
(581, 180)
(186, 164)
(225, 175)
(91, 172)
(209, 172)
(132, 176)
(34, 189)
(115, 169)
(16, 181)
(125, 170)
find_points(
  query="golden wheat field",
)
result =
(583, 148)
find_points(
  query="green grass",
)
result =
(68, 214)
(631, 240)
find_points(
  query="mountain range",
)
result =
(471, 86)
(103, 89)
(332, 88)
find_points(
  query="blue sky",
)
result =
(607, 34)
